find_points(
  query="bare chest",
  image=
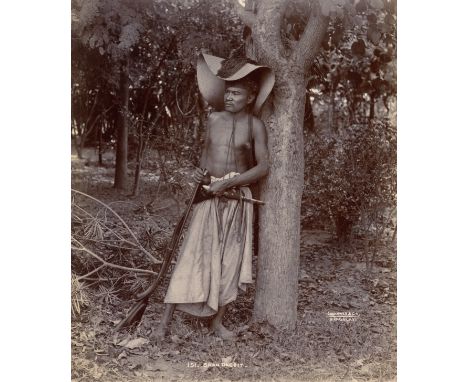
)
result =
(227, 134)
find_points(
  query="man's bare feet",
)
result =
(161, 332)
(222, 332)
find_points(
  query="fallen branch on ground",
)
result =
(106, 263)
(136, 243)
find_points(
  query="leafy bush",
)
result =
(350, 176)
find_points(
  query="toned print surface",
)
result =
(233, 190)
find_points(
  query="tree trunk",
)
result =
(76, 135)
(100, 146)
(372, 108)
(141, 143)
(77, 145)
(309, 121)
(139, 158)
(279, 219)
(82, 145)
(120, 180)
(201, 119)
(332, 128)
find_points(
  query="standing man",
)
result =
(216, 256)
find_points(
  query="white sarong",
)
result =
(216, 255)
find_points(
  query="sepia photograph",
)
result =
(233, 190)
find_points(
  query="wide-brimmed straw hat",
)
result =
(212, 85)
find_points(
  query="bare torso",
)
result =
(225, 152)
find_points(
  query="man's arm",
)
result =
(261, 156)
(205, 142)
(198, 175)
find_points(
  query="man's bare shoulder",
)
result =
(216, 117)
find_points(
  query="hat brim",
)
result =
(212, 87)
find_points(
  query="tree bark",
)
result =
(371, 108)
(100, 149)
(120, 180)
(331, 112)
(309, 121)
(77, 145)
(141, 143)
(279, 220)
(139, 159)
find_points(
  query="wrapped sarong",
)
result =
(215, 259)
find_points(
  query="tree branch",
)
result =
(247, 17)
(309, 43)
(153, 259)
(92, 109)
(104, 262)
(89, 130)
(79, 278)
(266, 32)
(105, 243)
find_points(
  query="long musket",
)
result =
(137, 310)
(139, 307)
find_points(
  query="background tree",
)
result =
(114, 28)
(355, 77)
(146, 51)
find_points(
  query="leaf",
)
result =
(389, 20)
(376, 4)
(337, 35)
(105, 36)
(176, 339)
(158, 365)
(92, 41)
(361, 6)
(372, 18)
(205, 368)
(385, 28)
(373, 35)
(359, 47)
(101, 51)
(325, 7)
(358, 20)
(132, 344)
(122, 355)
(129, 35)
(227, 359)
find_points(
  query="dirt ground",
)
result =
(346, 328)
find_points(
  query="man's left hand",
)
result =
(218, 187)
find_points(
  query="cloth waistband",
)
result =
(232, 174)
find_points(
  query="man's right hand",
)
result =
(200, 176)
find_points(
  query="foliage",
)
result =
(113, 27)
(105, 249)
(352, 175)
(160, 42)
(79, 296)
(351, 157)
(358, 61)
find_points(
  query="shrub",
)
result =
(350, 176)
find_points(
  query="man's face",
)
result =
(236, 98)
